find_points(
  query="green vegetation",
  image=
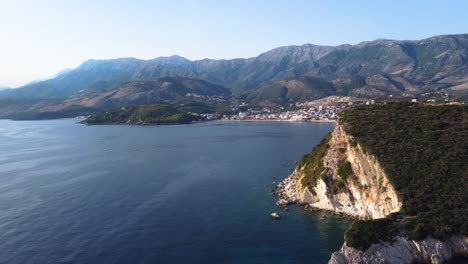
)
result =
(424, 151)
(313, 163)
(363, 233)
(345, 170)
(144, 114)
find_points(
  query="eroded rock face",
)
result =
(404, 251)
(368, 193)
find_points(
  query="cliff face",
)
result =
(366, 193)
(404, 250)
(342, 177)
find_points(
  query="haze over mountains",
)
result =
(282, 75)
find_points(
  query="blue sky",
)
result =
(41, 38)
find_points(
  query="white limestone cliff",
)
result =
(404, 251)
(367, 194)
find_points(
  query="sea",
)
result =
(199, 193)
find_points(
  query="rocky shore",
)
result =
(401, 250)
(404, 251)
(286, 189)
(287, 193)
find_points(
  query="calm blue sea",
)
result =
(71, 193)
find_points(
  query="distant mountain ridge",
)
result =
(368, 69)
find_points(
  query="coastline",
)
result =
(277, 120)
(285, 190)
(83, 121)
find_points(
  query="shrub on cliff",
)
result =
(363, 233)
(345, 170)
(312, 163)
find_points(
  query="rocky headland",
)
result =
(346, 174)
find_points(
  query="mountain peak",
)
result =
(94, 62)
(173, 59)
(306, 52)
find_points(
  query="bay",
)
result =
(71, 193)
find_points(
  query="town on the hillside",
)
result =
(325, 109)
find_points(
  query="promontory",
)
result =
(148, 114)
(401, 170)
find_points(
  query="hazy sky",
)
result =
(40, 38)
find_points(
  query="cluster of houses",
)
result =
(326, 109)
(324, 113)
(211, 116)
(207, 98)
(429, 97)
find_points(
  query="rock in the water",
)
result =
(275, 215)
(282, 202)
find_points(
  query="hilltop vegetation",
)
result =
(424, 152)
(144, 115)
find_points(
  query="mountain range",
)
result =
(282, 75)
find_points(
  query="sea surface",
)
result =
(71, 193)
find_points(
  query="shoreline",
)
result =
(277, 120)
(83, 122)
(286, 191)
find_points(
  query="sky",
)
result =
(39, 38)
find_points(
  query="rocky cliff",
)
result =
(403, 250)
(363, 169)
(364, 193)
